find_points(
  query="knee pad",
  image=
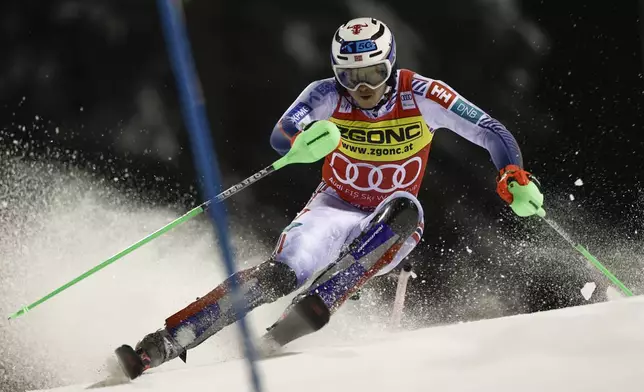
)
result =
(401, 214)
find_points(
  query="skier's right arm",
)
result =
(316, 102)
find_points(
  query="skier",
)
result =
(364, 217)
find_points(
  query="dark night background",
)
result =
(88, 83)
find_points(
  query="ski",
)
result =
(309, 314)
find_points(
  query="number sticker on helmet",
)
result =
(365, 45)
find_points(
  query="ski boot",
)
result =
(155, 349)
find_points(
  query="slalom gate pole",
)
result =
(203, 153)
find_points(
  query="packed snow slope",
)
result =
(589, 348)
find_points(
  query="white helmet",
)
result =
(363, 51)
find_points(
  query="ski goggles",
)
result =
(372, 76)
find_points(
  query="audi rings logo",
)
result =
(385, 178)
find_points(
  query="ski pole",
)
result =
(309, 146)
(593, 260)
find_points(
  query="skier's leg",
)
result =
(209, 314)
(411, 241)
(313, 238)
(385, 238)
(378, 245)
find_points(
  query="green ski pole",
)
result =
(592, 259)
(309, 146)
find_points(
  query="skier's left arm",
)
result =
(442, 107)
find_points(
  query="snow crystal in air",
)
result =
(4, 204)
(588, 290)
(467, 248)
(572, 197)
(579, 182)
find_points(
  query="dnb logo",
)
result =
(469, 112)
(357, 28)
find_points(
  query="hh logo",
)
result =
(357, 28)
(441, 94)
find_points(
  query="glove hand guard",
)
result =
(519, 189)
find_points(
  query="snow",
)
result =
(588, 290)
(579, 182)
(63, 224)
(613, 294)
(572, 197)
(72, 223)
(589, 348)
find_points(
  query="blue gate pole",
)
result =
(204, 155)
